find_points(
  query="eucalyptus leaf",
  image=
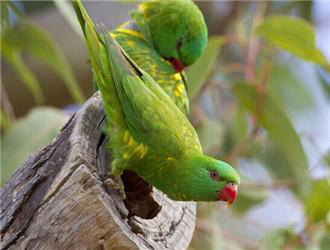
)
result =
(29, 38)
(317, 203)
(198, 73)
(27, 135)
(294, 35)
(14, 58)
(276, 121)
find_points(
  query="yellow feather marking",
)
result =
(126, 136)
(177, 93)
(130, 141)
(180, 87)
(144, 152)
(130, 44)
(130, 32)
(123, 25)
(126, 156)
(177, 76)
(140, 150)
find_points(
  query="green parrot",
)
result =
(162, 45)
(163, 38)
(149, 134)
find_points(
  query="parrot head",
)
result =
(175, 28)
(210, 180)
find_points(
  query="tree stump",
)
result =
(57, 199)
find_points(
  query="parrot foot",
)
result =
(116, 183)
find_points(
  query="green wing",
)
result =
(150, 114)
(149, 60)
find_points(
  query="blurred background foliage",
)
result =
(260, 99)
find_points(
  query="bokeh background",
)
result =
(260, 99)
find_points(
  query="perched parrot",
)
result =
(162, 45)
(149, 134)
(163, 38)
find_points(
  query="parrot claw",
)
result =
(117, 184)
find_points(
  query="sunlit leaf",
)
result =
(278, 125)
(198, 73)
(29, 38)
(294, 35)
(28, 135)
(317, 204)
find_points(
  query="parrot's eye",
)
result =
(214, 174)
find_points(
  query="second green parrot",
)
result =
(163, 38)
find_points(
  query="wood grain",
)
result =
(58, 200)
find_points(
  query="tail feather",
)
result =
(101, 67)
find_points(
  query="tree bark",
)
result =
(57, 199)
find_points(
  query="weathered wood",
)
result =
(57, 199)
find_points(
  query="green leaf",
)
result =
(29, 38)
(28, 135)
(279, 127)
(14, 58)
(198, 73)
(294, 35)
(317, 203)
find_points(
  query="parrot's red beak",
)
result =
(228, 193)
(178, 66)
